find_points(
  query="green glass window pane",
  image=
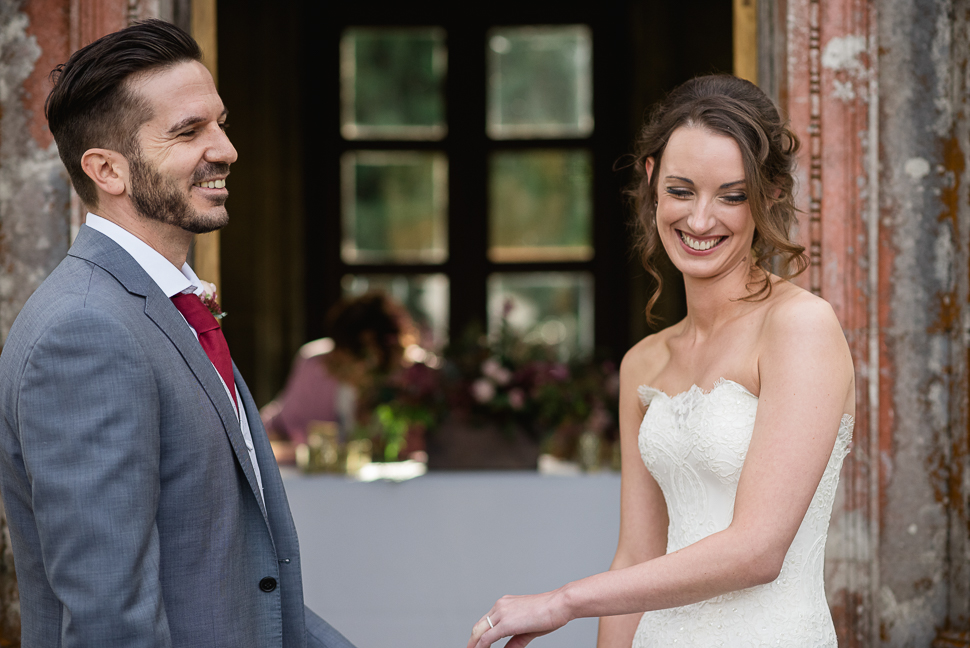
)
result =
(540, 82)
(392, 83)
(424, 296)
(554, 308)
(540, 206)
(394, 207)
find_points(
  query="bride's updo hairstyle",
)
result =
(729, 106)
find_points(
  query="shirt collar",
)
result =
(170, 279)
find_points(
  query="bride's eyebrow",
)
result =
(726, 185)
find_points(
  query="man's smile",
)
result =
(211, 184)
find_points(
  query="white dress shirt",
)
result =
(172, 281)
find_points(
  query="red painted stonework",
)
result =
(827, 103)
(50, 24)
(92, 19)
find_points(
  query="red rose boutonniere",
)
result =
(209, 298)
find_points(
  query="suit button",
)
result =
(267, 584)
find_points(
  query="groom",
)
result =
(144, 504)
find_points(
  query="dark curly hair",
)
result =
(730, 106)
(369, 322)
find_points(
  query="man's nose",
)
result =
(221, 149)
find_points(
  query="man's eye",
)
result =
(224, 125)
(188, 133)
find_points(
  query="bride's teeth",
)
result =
(700, 246)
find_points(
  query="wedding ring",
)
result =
(490, 624)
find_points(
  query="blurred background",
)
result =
(454, 157)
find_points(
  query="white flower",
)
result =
(483, 390)
(493, 369)
(208, 289)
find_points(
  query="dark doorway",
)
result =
(284, 258)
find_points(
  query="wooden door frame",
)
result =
(203, 27)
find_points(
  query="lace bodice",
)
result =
(694, 445)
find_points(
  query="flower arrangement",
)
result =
(526, 386)
(523, 387)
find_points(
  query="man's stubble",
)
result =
(161, 199)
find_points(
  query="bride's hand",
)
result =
(521, 617)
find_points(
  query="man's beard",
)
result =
(160, 199)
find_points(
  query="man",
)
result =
(144, 504)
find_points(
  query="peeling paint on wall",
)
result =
(916, 168)
(922, 164)
(842, 53)
(34, 188)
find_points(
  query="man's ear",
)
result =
(649, 166)
(107, 169)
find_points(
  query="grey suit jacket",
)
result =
(129, 492)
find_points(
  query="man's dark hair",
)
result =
(92, 104)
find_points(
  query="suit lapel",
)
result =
(160, 309)
(105, 253)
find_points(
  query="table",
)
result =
(415, 564)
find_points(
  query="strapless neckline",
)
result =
(646, 393)
(695, 389)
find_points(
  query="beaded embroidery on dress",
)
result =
(694, 445)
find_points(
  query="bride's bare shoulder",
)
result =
(793, 310)
(647, 358)
(800, 327)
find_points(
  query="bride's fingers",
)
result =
(480, 628)
(520, 641)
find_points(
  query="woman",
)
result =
(368, 335)
(727, 485)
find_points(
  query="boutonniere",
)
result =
(208, 297)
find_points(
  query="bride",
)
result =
(734, 421)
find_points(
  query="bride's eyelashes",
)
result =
(679, 192)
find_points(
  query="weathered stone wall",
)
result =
(34, 196)
(879, 92)
(925, 218)
(34, 188)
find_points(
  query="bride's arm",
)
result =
(643, 512)
(806, 385)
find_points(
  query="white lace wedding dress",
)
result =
(694, 445)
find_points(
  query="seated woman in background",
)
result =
(367, 338)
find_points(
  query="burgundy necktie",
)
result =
(210, 335)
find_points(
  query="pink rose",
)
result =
(516, 398)
(483, 390)
(559, 372)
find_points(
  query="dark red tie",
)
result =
(210, 335)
